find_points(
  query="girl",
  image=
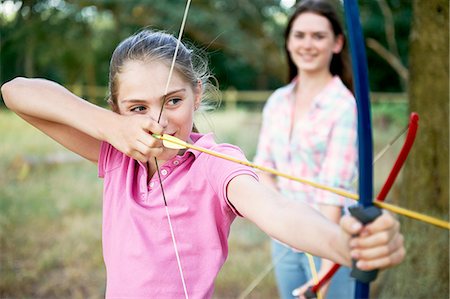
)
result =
(165, 228)
(309, 130)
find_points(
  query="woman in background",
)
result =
(310, 130)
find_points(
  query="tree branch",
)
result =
(390, 58)
(389, 27)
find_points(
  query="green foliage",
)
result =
(71, 41)
(385, 114)
(382, 75)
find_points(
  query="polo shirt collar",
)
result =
(201, 140)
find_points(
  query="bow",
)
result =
(361, 83)
(401, 158)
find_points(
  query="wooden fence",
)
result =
(232, 97)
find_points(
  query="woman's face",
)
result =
(312, 43)
(141, 87)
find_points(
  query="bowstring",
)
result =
(172, 65)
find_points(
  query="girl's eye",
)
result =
(299, 35)
(173, 101)
(138, 109)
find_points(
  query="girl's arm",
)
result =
(75, 123)
(379, 244)
(338, 168)
(334, 214)
(268, 179)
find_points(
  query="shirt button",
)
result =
(164, 172)
(152, 184)
(176, 162)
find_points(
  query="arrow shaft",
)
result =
(389, 207)
(412, 214)
(183, 144)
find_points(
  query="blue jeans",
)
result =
(292, 271)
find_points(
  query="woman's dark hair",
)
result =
(339, 65)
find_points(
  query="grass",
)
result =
(50, 222)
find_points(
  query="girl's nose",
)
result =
(157, 116)
(163, 121)
(161, 118)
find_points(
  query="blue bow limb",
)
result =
(361, 86)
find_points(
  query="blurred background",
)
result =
(50, 220)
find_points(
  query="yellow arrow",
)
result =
(174, 143)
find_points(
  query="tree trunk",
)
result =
(425, 185)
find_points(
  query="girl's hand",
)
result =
(131, 134)
(377, 245)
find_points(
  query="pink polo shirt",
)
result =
(137, 247)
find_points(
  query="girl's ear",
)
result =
(113, 105)
(338, 44)
(198, 95)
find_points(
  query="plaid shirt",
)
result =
(322, 149)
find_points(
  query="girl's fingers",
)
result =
(378, 244)
(390, 260)
(385, 222)
(375, 252)
(152, 126)
(381, 232)
(145, 154)
(366, 240)
(139, 157)
(148, 150)
(149, 141)
(350, 225)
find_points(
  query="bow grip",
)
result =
(365, 215)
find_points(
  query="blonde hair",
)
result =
(148, 45)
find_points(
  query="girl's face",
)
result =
(141, 87)
(312, 43)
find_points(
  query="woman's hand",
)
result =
(377, 245)
(300, 291)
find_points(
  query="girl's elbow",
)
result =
(9, 89)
